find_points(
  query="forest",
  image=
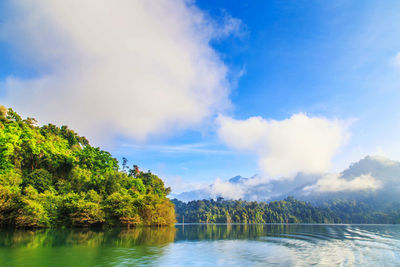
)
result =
(288, 210)
(52, 177)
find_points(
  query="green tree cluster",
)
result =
(366, 210)
(50, 176)
(288, 210)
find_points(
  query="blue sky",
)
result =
(274, 59)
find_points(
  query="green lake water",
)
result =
(205, 245)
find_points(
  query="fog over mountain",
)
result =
(372, 177)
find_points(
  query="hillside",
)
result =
(50, 176)
(288, 210)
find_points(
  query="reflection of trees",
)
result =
(244, 231)
(87, 237)
(84, 247)
(153, 236)
(146, 236)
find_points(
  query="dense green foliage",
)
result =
(50, 176)
(239, 211)
(289, 210)
(364, 211)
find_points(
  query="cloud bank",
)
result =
(297, 144)
(302, 186)
(334, 183)
(226, 189)
(370, 175)
(139, 68)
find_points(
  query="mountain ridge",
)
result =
(382, 173)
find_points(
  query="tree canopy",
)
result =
(50, 176)
(288, 210)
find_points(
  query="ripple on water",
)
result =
(206, 245)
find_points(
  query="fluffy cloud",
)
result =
(298, 144)
(105, 67)
(334, 183)
(302, 186)
(226, 189)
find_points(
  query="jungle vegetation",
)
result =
(51, 177)
(239, 211)
(288, 210)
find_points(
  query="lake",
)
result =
(206, 245)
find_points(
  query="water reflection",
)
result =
(232, 231)
(309, 232)
(84, 247)
(87, 237)
(205, 245)
(288, 245)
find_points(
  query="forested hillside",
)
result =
(288, 210)
(239, 211)
(50, 176)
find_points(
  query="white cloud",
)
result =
(397, 60)
(231, 25)
(298, 144)
(133, 67)
(198, 148)
(334, 183)
(226, 189)
(384, 160)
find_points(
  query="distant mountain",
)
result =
(238, 180)
(192, 195)
(372, 179)
(384, 171)
(253, 188)
(209, 192)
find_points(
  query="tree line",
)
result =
(288, 210)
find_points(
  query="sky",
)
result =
(202, 90)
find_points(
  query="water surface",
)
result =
(206, 245)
